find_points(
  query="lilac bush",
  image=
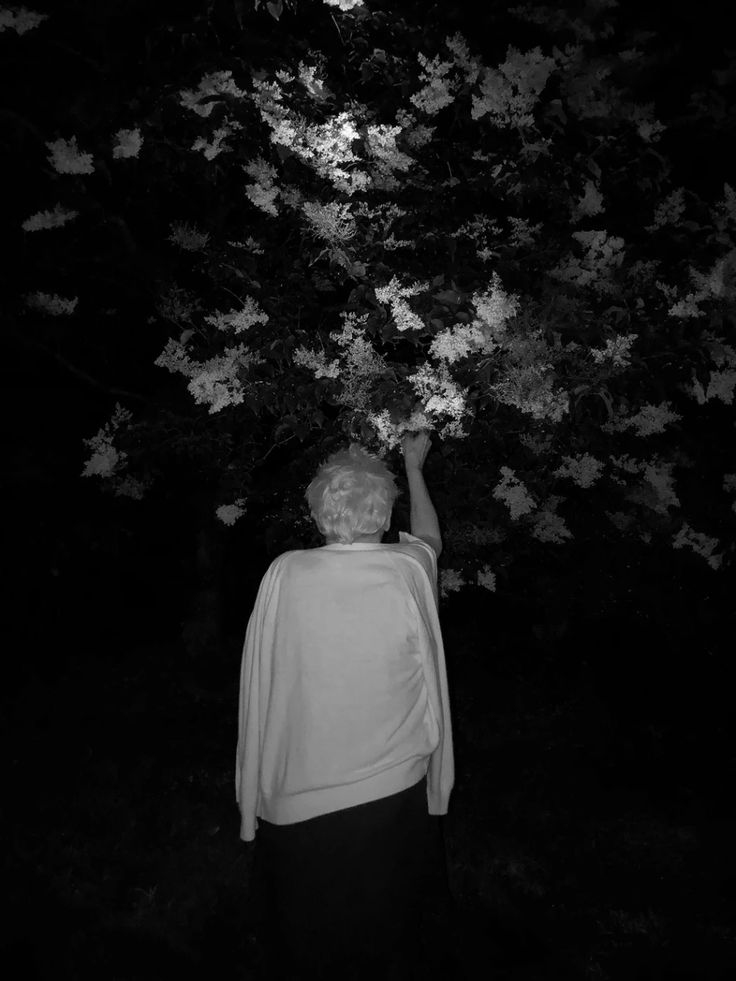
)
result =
(382, 231)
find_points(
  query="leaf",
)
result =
(275, 9)
(448, 296)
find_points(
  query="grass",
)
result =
(579, 845)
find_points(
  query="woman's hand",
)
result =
(415, 448)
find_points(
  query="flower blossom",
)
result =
(360, 363)
(129, 143)
(344, 5)
(395, 294)
(603, 255)
(470, 66)
(215, 382)
(700, 544)
(510, 92)
(229, 513)
(649, 420)
(486, 579)
(332, 222)
(514, 494)
(239, 320)
(590, 204)
(216, 144)
(52, 304)
(437, 91)
(67, 158)
(439, 392)
(214, 84)
(548, 526)
(617, 350)
(316, 362)
(451, 581)
(583, 470)
(49, 219)
(105, 459)
(669, 211)
(495, 307)
(263, 192)
(20, 20)
(523, 233)
(187, 237)
(458, 342)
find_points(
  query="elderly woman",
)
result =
(345, 740)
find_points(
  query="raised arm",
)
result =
(424, 523)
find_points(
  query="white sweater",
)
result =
(343, 684)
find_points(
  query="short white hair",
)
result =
(353, 493)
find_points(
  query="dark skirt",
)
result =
(343, 895)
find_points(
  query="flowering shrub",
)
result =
(395, 238)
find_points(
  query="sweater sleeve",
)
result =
(254, 681)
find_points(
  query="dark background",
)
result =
(591, 827)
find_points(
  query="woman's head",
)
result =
(352, 494)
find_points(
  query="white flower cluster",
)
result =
(659, 476)
(129, 143)
(250, 245)
(210, 86)
(458, 342)
(360, 362)
(648, 128)
(669, 211)
(20, 20)
(326, 147)
(439, 392)
(315, 86)
(649, 420)
(591, 203)
(67, 158)
(239, 320)
(317, 362)
(450, 581)
(395, 294)
(390, 433)
(380, 146)
(510, 92)
(549, 527)
(105, 459)
(188, 237)
(49, 219)
(470, 66)
(700, 544)
(416, 134)
(214, 382)
(216, 144)
(52, 304)
(495, 307)
(528, 389)
(583, 470)
(331, 222)
(344, 5)
(514, 494)
(263, 192)
(617, 350)
(724, 211)
(523, 233)
(716, 284)
(729, 486)
(228, 514)
(603, 255)
(486, 579)
(437, 91)
(720, 386)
